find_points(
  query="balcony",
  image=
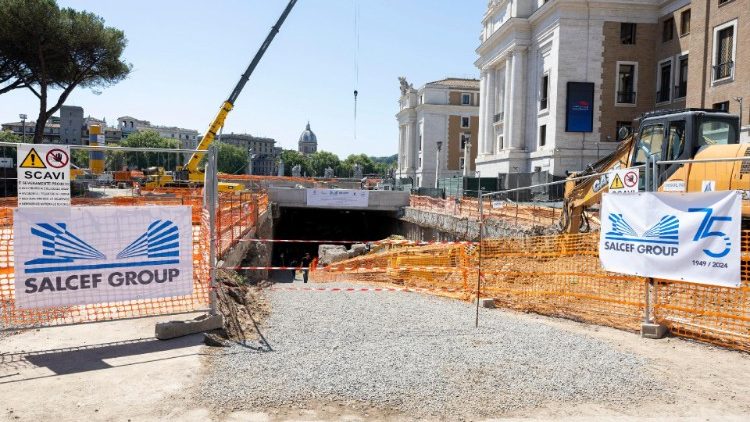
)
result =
(723, 70)
(626, 97)
(498, 117)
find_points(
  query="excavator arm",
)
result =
(582, 191)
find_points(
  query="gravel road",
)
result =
(419, 356)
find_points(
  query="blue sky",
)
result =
(187, 55)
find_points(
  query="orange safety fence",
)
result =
(238, 218)
(560, 276)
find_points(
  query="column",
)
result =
(490, 107)
(507, 102)
(401, 156)
(412, 142)
(482, 117)
(519, 99)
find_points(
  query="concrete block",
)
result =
(655, 331)
(173, 329)
(487, 302)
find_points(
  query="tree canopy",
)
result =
(143, 160)
(232, 159)
(316, 163)
(321, 160)
(43, 47)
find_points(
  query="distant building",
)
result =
(51, 130)
(188, 138)
(111, 134)
(71, 123)
(263, 149)
(443, 111)
(308, 142)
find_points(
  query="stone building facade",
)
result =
(445, 112)
(638, 55)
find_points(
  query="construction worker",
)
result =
(306, 266)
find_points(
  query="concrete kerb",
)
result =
(174, 329)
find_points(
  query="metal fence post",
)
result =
(211, 188)
(655, 175)
(479, 263)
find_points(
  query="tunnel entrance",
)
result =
(326, 224)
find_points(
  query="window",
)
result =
(715, 133)
(723, 1)
(542, 135)
(627, 33)
(626, 82)
(650, 140)
(620, 125)
(465, 121)
(667, 31)
(419, 141)
(664, 81)
(723, 106)
(465, 137)
(676, 140)
(724, 51)
(681, 87)
(685, 22)
(543, 103)
(465, 99)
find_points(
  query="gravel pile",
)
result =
(417, 354)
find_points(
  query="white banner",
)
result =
(75, 256)
(675, 236)
(337, 198)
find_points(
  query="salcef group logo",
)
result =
(660, 239)
(62, 250)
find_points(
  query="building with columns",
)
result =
(444, 113)
(543, 61)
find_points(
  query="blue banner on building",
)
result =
(579, 110)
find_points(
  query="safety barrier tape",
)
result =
(421, 268)
(366, 289)
(395, 242)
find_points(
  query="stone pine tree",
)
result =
(45, 48)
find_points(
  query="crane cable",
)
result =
(356, 62)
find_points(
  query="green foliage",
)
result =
(232, 159)
(291, 158)
(80, 158)
(43, 48)
(321, 160)
(8, 136)
(144, 160)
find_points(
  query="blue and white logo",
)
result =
(665, 232)
(64, 251)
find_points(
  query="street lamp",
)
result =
(23, 126)
(437, 162)
(250, 157)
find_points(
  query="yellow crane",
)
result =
(191, 175)
(669, 135)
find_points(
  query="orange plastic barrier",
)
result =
(560, 276)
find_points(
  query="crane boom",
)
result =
(226, 107)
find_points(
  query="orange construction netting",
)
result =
(560, 276)
(237, 215)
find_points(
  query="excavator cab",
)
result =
(681, 135)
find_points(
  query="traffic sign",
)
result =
(43, 175)
(623, 181)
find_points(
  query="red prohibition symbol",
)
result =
(57, 158)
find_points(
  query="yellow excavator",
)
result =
(666, 135)
(191, 175)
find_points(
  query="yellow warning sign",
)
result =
(33, 161)
(616, 183)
